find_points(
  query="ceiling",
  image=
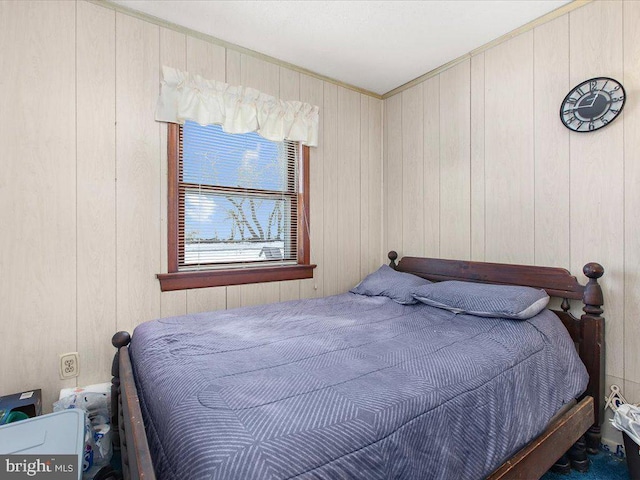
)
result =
(373, 45)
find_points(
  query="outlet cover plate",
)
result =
(69, 366)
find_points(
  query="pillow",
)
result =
(385, 281)
(484, 300)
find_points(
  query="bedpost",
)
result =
(119, 340)
(393, 256)
(592, 350)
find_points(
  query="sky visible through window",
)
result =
(233, 226)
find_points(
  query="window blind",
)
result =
(238, 199)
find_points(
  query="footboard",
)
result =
(126, 416)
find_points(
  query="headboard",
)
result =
(587, 331)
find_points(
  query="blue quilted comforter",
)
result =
(347, 387)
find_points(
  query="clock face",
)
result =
(592, 105)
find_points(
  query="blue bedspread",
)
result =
(347, 387)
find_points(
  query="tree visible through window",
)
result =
(236, 201)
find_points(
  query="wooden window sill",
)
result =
(239, 276)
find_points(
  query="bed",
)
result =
(377, 389)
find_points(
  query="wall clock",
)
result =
(592, 105)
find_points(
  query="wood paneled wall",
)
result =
(476, 165)
(505, 181)
(83, 188)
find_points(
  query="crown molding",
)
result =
(564, 9)
(558, 12)
(231, 46)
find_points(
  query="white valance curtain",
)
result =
(238, 109)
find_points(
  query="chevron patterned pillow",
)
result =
(484, 300)
(385, 281)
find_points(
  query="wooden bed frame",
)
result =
(580, 425)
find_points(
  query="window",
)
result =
(238, 208)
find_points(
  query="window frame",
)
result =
(182, 280)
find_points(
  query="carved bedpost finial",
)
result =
(592, 297)
(393, 256)
(121, 339)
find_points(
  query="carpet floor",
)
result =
(604, 466)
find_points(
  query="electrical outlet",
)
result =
(69, 365)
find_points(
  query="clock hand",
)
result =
(585, 106)
(577, 108)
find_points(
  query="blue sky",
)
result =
(248, 160)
